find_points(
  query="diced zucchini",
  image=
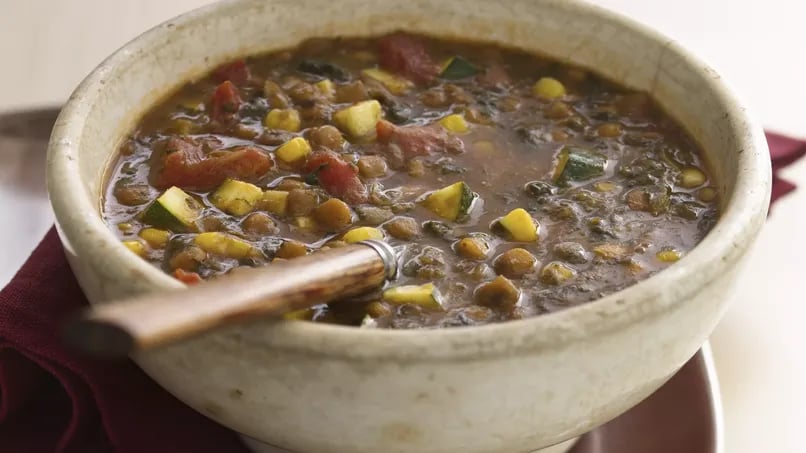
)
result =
(456, 68)
(274, 201)
(453, 202)
(362, 234)
(293, 151)
(174, 210)
(396, 85)
(284, 119)
(455, 123)
(137, 247)
(226, 245)
(578, 164)
(154, 237)
(236, 197)
(520, 225)
(359, 120)
(424, 295)
(326, 87)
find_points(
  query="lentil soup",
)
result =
(513, 185)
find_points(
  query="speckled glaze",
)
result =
(511, 387)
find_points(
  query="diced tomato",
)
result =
(226, 101)
(337, 177)
(185, 165)
(236, 72)
(188, 278)
(418, 140)
(406, 55)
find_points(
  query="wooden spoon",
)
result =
(155, 319)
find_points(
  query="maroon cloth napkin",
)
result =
(52, 400)
(783, 151)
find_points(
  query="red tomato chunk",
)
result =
(337, 177)
(407, 56)
(185, 165)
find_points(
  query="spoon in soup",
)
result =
(155, 319)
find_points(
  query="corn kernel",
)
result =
(692, 177)
(455, 123)
(668, 255)
(293, 151)
(155, 238)
(326, 87)
(707, 194)
(136, 246)
(285, 119)
(396, 85)
(362, 234)
(548, 88)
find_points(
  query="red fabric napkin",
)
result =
(52, 400)
(783, 151)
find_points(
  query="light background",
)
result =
(47, 47)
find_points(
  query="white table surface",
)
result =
(48, 46)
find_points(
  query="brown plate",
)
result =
(684, 416)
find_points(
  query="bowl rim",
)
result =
(80, 225)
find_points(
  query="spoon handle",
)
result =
(162, 317)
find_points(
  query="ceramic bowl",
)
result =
(510, 387)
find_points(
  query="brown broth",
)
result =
(604, 232)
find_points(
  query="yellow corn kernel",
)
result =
(362, 234)
(692, 177)
(155, 238)
(326, 87)
(125, 227)
(396, 85)
(293, 151)
(136, 246)
(668, 255)
(548, 88)
(285, 119)
(707, 194)
(455, 123)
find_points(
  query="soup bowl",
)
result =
(517, 386)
